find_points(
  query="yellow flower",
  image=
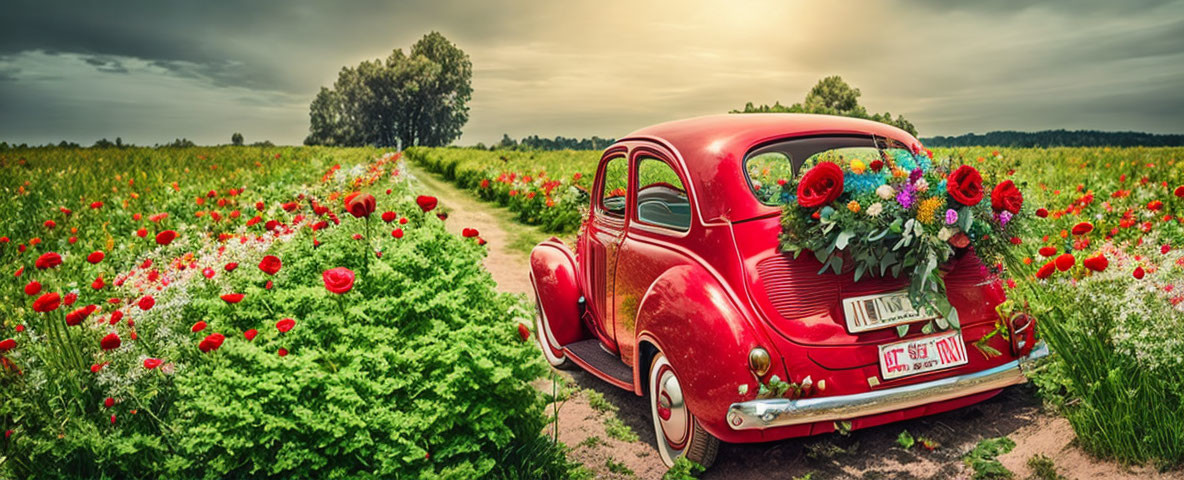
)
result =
(858, 167)
(899, 173)
(926, 212)
(853, 206)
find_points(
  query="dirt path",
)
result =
(591, 406)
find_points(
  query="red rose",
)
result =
(98, 284)
(1065, 261)
(230, 266)
(77, 316)
(47, 303)
(146, 302)
(151, 363)
(109, 402)
(426, 202)
(1138, 273)
(7, 344)
(1048, 251)
(388, 216)
(166, 237)
(469, 232)
(397, 233)
(270, 264)
(284, 325)
(199, 326)
(1180, 191)
(70, 298)
(110, 342)
(232, 297)
(283, 352)
(876, 165)
(250, 334)
(966, 185)
(1046, 271)
(95, 257)
(1096, 263)
(360, 205)
(32, 288)
(1083, 228)
(820, 185)
(1007, 197)
(338, 280)
(211, 342)
(48, 260)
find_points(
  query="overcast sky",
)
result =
(150, 71)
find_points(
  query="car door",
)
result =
(605, 228)
(660, 222)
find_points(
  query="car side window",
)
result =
(661, 197)
(616, 182)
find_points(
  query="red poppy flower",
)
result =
(110, 342)
(283, 352)
(96, 205)
(116, 316)
(820, 185)
(199, 326)
(7, 344)
(965, 185)
(360, 205)
(1046, 270)
(95, 257)
(208, 272)
(1006, 197)
(1154, 205)
(1065, 261)
(523, 332)
(1096, 263)
(1179, 192)
(284, 325)
(403, 221)
(47, 302)
(32, 288)
(70, 298)
(97, 367)
(469, 232)
(211, 342)
(166, 237)
(230, 266)
(50, 224)
(146, 302)
(397, 233)
(388, 216)
(48, 260)
(426, 203)
(151, 363)
(1083, 228)
(1165, 249)
(338, 280)
(232, 297)
(270, 264)
(76, 317)
(250, 334)
(109, 402)
(1138, 273)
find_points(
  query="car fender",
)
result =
(555, 277)
(689, 316)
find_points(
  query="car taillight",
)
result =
(1023, 333)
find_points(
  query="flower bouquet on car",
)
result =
(897, 212)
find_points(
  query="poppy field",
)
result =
(1099, 260)
(252, 312)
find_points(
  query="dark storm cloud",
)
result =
(155, 70)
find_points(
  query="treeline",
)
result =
(235, 140)
(535, 142)
(1057, 138)
(833, 96)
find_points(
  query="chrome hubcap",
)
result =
(672, 412)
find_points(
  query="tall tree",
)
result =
(236, 139)
(832, 96)
(420, 98)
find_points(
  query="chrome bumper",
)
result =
(779, 412)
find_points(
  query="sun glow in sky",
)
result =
(151, 71)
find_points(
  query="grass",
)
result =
(982, 459)
(615, 428)
(1043, 468)
(597, 401)
(593, 442)
(617, 467)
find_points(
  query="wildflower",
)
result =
(47, 303)
(1046, 270)
(858, 167)
(32, 288)
(250, 334)
(951, 217)
(944, 234)
(1065, 261)
(199, 326)
(426, 203)
(48, 260)
(211, 342)
(523, 332)
(7, 344)
(885, 192)
(360, 205)
(469, 232)
(397, 233)
(875, 209)
(283, 352)
(232, 298)
(928, 210)
(270, 264)
(1096, 263)
(151, 363)
(166, 237)
(338, 280)
(853, 206)
(95, 257)
(1138, 273)
(388, 216)
(284, 325)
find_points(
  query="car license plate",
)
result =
(871, 312)
(919, 355)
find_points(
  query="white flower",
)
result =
(922, 185)
(875, 209)
(885, 192)
(944, 234)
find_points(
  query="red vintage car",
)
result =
(676, 290)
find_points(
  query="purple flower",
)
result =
(915, 175)
(905, 198)
(1004, 217)
(951, 216)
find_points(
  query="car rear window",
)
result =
(771, 166)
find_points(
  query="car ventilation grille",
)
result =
(794, 287)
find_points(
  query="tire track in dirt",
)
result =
(864, 454)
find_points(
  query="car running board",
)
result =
(590, 356)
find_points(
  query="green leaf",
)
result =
(965, 218)
(875, 237)
(902, 330)
(859, 269)
(842, 239)
(928, 328)
(905, 440)
(952, 317)
(895, 226)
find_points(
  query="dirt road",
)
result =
(874, 453)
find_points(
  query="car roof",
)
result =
(713, 148)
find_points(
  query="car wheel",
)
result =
(551, 350)
(678, 431)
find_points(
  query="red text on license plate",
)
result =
(920, 355)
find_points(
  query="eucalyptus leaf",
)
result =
(875, 237)
(952, 317)
(902, 330)
(965, 219)
(942, 323)
(928, 328)
(842, 239)
(859, 269)
(895, 226)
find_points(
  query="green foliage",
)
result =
(832, 96)
(982, 459)
(1043, 468)
(419, 98)
(683, 469)
(236, 139)
(597, 401)
(1058, 138)
(593, 442)
(905, 440)
(617, 467)
(615, 428)
(422, 376)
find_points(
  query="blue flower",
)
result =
(862, 183)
